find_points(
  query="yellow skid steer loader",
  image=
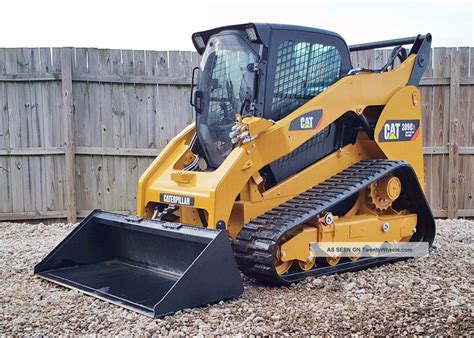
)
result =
(292, 148)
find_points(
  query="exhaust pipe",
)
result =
(152, 267)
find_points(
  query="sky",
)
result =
(168, 24)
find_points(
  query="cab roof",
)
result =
(263, 32)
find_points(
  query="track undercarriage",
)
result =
(372, 202)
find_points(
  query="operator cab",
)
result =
(265, 70)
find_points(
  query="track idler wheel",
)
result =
(281, 267)
(384, 192)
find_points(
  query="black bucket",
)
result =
(153, 267)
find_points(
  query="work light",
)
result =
(251, 33)
(199, 41)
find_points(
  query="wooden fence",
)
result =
(79, 126)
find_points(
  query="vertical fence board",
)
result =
(53, 172)
(453, 145)
(129, 102)
(466, 200)
(6, 200)
(163, 103)
(108, 187)
(118, 118)
(441, 68)
(37, 164)
(465, 129)
(24, 105)
(427, 125)
(68, 111)
(16, 163)
(95, 169)
(82, 124)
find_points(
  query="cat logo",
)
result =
(308, 121)
(399, 130)
(391, 131)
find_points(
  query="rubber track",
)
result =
(255, 245)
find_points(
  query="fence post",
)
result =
(453, 139)
(69, 146)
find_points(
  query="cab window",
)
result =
(302, 71)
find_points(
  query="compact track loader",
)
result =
(293, 148)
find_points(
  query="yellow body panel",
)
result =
(216, 191)
(405, 105)
(359, 228)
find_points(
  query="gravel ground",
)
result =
(421, 296)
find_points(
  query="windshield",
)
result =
(227, 88)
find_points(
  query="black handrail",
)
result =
(384, 43)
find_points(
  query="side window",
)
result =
(303, 70)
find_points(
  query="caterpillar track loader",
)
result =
(292, 149)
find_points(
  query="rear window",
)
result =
(303, 70)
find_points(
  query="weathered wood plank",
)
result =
(69, 145)
(130, 118)
(54, 168)
(464, 127)
(131, 129)
(441, 68)
(131, 79)
(24, 106)
(82, 123)
(177, 110)
(453, 162)
(151, 93)
(2, 62)
(162, 102)
(6, 195)
(15, 164)
(132, 182)
(55, 214)
(98, 151)
(140, 100)
(117, 68)
(427, 130)
(141, 112)
(109, 183)
(4, 121)
(184, 92)
(30, 77)
(466, 192)
(157, 80)
(93, 170)
(36, 126)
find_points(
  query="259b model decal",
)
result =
(399, 130)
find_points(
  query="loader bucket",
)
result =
(152, 267)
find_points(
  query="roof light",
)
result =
(199, 41)
(251, 33)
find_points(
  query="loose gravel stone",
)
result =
(431, 295)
